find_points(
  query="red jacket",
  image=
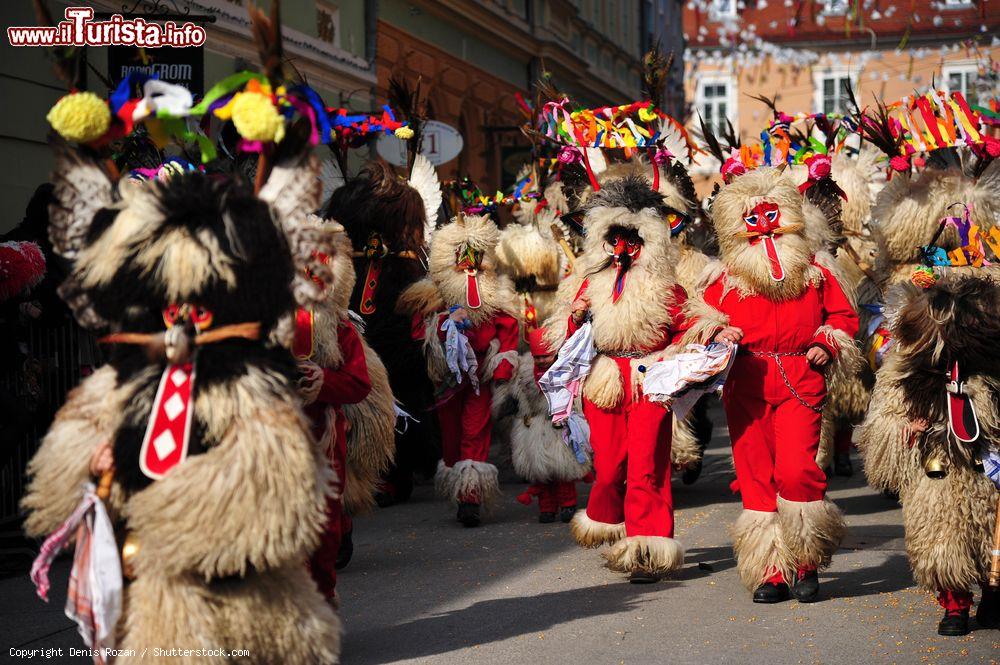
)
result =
(347, 384)
(786, 327)
(501, 326)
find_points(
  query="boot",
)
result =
(346, 550)
(842, 465)
(771, 592)
(691, 474)
(955, 623)
(642, 577)
(988, 611)
(566, 514)
(468, 514)
(546, 518)
(806, 589)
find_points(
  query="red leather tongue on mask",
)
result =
(777, 270)
(168, 433)
(472, 298)
(962, 420)
(618, 287)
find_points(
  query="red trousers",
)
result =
(775, 438)
(466, 427)
(631, 445)
(551, 496)
(322, 565)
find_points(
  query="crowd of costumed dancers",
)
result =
(292, 336)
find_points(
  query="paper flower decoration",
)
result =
(404, 133)
(255, 117)
(82, 117)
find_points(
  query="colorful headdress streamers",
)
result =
(630, 127)
(974, 242)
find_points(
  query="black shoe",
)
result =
(806, 589)
(384, 499)
(346, 550)
(566, 514)
(988, 611)
(954, 624)
(692, 473)
(642, 577)
(842, 465)
(769, 592)
(468, 514)
(546, 518)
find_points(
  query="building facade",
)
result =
(331, 42)
(806, 53)
(474, 56)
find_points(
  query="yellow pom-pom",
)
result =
(646, 114)
(81, 117)
(256, 119)
(404, 133)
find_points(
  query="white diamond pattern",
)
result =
(178, 376)
(164, 444)
(173, 406)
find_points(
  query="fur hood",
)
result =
(479, 233)
(747, 265)
(528, 251)
(637, 319)
(910, 207)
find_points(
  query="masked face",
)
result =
(623, 246)
(470, 260)
(761, 222)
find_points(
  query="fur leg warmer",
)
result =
(650, 554)
(811, 531)
(467, 477)
(757, 544)
(591, 533)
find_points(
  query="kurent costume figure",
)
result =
(465, 314)
(791, 319)
(218, 486)
(630, 296)
(933, 417)
(348, 400)
(540, 453)
(389, 221)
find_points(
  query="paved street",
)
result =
(422, 589)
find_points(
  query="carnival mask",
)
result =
(470, 261)
(763, 222)
(623, 247)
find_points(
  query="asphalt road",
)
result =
(422, 589)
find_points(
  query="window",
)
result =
(950, 4)
(831, 88)
(724, 8)
(716, 102)
(834, 7)
(328, 23)
(961, 78)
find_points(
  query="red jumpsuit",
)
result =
(347, 384)
(775, 435)
(631, 445)
(466, 423)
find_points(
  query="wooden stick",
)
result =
(558, 234)
(995, 561)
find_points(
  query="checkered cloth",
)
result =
(94, 598)
(576, 435)
(991, 464)
(561, 383)
(679, 382)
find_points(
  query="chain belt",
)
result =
(777, 356)
(623, 354)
